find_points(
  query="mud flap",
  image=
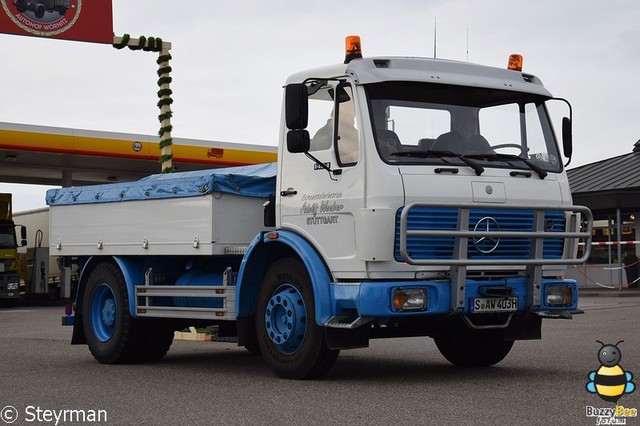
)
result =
(524, 327)
(338, 338)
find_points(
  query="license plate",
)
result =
(495, 304)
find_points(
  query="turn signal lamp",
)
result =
(409, 299)
(515, 62)
(353, 48)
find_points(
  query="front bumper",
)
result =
(375, 299)
(9, 286)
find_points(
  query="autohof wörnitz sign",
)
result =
(81, 20)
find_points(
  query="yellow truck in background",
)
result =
(9, 277)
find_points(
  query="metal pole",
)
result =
(636, 225)
(609, 248)
(619, 238)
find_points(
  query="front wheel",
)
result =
(291, 342)
(472, 348)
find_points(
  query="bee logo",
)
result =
(610, 381)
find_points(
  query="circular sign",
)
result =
(43, 17)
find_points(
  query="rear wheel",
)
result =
(113, 336)
(290, 341)
(464, 347)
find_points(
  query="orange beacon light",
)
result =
(515, 62)
(353, 48)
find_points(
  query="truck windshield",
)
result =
(418, 123)
(7, 236)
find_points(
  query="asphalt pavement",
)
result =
(394, 381)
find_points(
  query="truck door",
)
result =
(320, 197)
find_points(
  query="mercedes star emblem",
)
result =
(487, 244)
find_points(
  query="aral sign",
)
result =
(81, 20)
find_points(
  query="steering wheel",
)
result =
(509, 145)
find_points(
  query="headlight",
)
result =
(559, 295)
(410, 299)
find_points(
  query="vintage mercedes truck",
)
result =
(411, 197)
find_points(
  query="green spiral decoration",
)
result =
(154, 44)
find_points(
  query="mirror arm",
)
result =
(568, 104)
(318, 162)
(324, 166)
(571, 123)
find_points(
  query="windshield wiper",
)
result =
(437, 153)
(533, 166)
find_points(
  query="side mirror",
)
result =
(23, 235)
(567, 137)
(296, 106)
(298, 141)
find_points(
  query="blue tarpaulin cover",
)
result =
(249, 181)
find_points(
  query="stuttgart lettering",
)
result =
(322, 220)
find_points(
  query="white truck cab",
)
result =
(412, 197)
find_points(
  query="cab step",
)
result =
(346, 322)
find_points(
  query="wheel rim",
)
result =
(104, 313)
(286, 319)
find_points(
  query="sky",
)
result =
(231, 59)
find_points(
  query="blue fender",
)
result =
(133, 271)
(262, 252)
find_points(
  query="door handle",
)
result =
(289, 191)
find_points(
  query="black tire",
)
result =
(297, 350)
(464, 347)
(158, 338)
(113, 336)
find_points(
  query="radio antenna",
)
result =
(467, 44)
(435, 36)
